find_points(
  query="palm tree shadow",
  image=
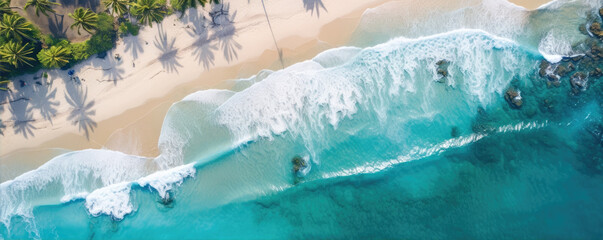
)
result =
(133, 45)
(82, 109)
(203, 47)
(42, 99)
(225, 31)
(169, 53)
(22, 114)
(56, 26)
(115, 72)
(312, 5)
(2, 127)
(3, 101)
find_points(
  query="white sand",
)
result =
(165, 56)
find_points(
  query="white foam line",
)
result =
(420, 153)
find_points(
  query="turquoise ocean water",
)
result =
(391, 149)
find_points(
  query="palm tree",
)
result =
(84, 18)
(15, 27)
(148, 11)
(55, 56)
(118, 7)
(182, 5)
(16, 54)
(3, 67)
(3, 83)
(5, 7)
(41, 6)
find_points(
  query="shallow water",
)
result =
(391, 149)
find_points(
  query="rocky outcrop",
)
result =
(513, 97)
(442, 68)
(579, 82)
(595, 29)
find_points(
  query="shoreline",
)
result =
(134, 128)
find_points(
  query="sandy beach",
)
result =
(119, 102)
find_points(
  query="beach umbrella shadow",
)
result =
(312, 5)
(169, 53)
(82, 109)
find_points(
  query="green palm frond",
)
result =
(148, 11)
(118, 7)
(15, 27)
(3, 84)
(84, 19)
(5, 7)
(17, 54)
(55, 56)
(42, 6)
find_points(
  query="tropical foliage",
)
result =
(15, 27)
(182, 5)
(41, 6)
(3, 83)
(24, 49)
(118, 7)
(148, 11)
(17, 54)
(84, 18)
(5, 7)
(54, 57)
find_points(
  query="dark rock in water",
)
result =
(442, 69)
(577, 58)
(552, 78)
(455, 132)
(596, 73)
(582, 29)
(561, 71)
(579, 82)
(298, 164)
(544, 66)
(514, 98)
(168, 201)
(443, 72)
(571, 67)
(595, 29)
(601, 12)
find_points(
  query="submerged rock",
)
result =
(544, 68)
(300, 168)
(595, 29)
(596, 73)
(561, 71)
(455, 132)
(514, 98)
(583, 30)
(443, 72)
(579, 82)
(442, 67)
(577, 58)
